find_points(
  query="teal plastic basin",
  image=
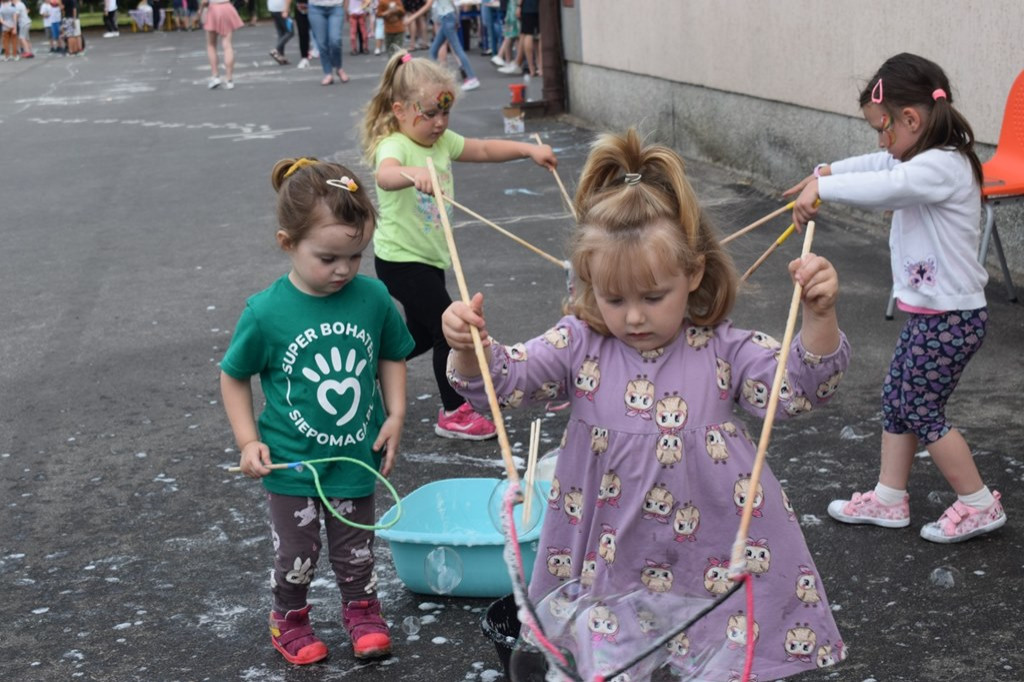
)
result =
(453, 514)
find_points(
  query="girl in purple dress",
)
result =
(655, 469)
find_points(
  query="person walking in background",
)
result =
(110, 19)
(24, 26)
(418, 28)
(326, 221)
(9, 28)
(325, 20)
(930, 177)
(221, 20)
(491, 20)
(445, 16)
(279, 13)
(406, 123)
(358, 26)
(391, 12)
(302, 28)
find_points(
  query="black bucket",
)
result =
(501, 625)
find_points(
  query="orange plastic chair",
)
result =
(1004, 176)
(1004, 182)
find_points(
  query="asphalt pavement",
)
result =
(137, 215)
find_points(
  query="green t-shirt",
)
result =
(410, 227)
(317, 357)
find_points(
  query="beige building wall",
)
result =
(769, 88)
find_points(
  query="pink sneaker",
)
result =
(366, 628)
(962, 522)
(293, 636)
(464, 423)
(865, 508)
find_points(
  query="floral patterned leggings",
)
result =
(932, 353)
(295, 530)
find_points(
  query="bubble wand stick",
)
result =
(561, 187)
(519, 240)
(478, 346)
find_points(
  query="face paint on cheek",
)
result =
(419, 114)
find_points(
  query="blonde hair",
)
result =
(302, 189)
(636, 208)
(404, 80)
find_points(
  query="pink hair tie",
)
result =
(406, 58)
(876, 92)
(939, 94)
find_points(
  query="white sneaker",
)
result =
(109, 34)
(377, 52)
(303, 63)
(229, 85)
(470, 84)
(314, 53)
(510, 68)
(214, 82)
(497, 60)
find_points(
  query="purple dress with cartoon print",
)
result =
(648, 492)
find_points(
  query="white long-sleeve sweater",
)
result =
(936, 222)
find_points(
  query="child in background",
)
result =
(930, 177)
(320, 338)
(110, 19)
(653, 455)
(378, 30)
(55, 17)
(72, 28)
(406, 122)
(391, 12)
(9, 30)
(445, 14)
(24, 27)
(279, 13)
(359, 26)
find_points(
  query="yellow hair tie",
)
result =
(344, 183)
(301, 163)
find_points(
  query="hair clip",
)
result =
(344, 183)
(632, 179)
(406, 58)
(939, 94)
(876, 92)
(300, 163)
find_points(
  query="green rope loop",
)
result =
(327, 503)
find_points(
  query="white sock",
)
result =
(980, 500)
(889, 496)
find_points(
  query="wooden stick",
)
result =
(758, 223)
(531, 468)
(764, 256)
(478, 346)
(283, 465)
(558, 179)
(510, 235)
(737, 564)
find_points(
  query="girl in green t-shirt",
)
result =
(406, 123)
(329, 347)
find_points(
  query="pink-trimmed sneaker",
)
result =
(465, 423)
(366, 627)
(865, 508)
(293, 636)
(962, 522)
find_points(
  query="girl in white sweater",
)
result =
(929, 176)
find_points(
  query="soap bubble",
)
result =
(442, 568)
(538, 501)
(411, 625)
(945, 576)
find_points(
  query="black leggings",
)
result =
(421, 290)
(302, 25)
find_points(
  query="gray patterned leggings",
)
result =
(295, 530)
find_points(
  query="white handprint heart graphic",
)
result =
(339, 388)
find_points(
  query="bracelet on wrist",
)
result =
(817, 169)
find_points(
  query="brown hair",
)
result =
(404, 80)
(302, 190)
(635, 205)
(911, 81)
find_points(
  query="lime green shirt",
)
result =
(410, 227)
(317, 359)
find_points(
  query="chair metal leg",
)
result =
(892, 303)
(991, 232)
(1011, 293)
